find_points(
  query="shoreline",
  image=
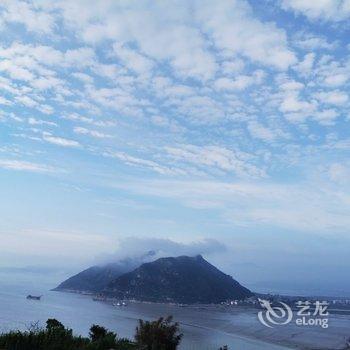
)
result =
(242, 322)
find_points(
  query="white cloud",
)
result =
(81, 57)
(152, 27)
(343, 145)
(26, 100)
(132, 59)
(215, 157)
(234, 29)
(292, 103)
(21, 165)
(326, 117)
(240, 82)
(46, 109)
(88, 120)
(110, 71)
(83, 77)
(339, 173)
(143, 163)
(324, 10)
(336, 79)
(233, 66)
(33, 121)
(200, 109)
(60, 141)
(304, 68)
(259, 131)
(29, 15)
(162, 121)
(135, 247)
(302, 207)
(335, 97)
(5, 101)
(310, 42)
(93, 133)
(15, 72)
(25, 61)
(45, 83)
(291, 85)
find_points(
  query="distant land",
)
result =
(96, 278)
(183, 279)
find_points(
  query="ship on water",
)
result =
(34, 297)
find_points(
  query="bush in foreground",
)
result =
(57, 337)
(162, 334)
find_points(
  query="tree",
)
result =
(52, 324)
(97, 332)
(102, 339)
(162, 334)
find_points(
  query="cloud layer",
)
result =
(231, 108)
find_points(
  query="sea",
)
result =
(202, 328)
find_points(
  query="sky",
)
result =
(213, 127)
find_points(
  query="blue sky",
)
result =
(221, 126)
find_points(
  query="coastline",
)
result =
(242, 321)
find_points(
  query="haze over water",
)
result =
(80, 312)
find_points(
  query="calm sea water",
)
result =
(202, 329)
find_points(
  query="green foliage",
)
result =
(101, 338)
(52, 339)
(52, 324)
(162, 334)
(97, 332)
(56, 337)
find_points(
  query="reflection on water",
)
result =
(201, 329)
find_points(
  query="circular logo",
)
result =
(274, 315)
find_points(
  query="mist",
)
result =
(148, 249)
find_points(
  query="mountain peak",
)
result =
(199, 257)
(180, 279)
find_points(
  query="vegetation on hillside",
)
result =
(183, 280)
(162, 334)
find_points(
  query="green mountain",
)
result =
(95, 279)
(182, 279)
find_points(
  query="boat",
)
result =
(122, 303)
(34, 297)
(99, 299)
